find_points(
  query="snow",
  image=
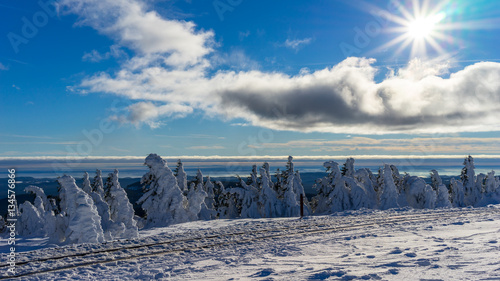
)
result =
(80, 214)
(400, 244)
(163, 201)
(121, 210)
(389, 194)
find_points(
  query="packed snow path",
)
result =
(350, 245)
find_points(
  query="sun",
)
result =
(430, 29)
(420, 27)
(424, 27)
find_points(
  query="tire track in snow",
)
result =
(211, 241)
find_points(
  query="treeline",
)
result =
(100, 211)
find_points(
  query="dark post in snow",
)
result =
(301, 205)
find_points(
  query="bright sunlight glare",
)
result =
(422, 28)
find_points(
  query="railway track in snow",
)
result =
(35, 267)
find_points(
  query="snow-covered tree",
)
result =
(2, 224)
(480, 185)
(457, 193)
(298, 189)
(181, 177)
(472, 194)
(269, 204)
(210, 201)
(443, 196)
(388, 193)
(218, 191)
(348, 168)
(163, 200)
(39, 219)
(121, 210)
(227, 208)
(491, 183)
(358, 196)
(291, 202)
(86, 185)
(98, 185)
(31, 222)
(322, 202)
(253, 179)
(248, 196)
(366, 178)
(196, 199)
(81, 217)
(419, 194)
(339, 197)
(110, 229)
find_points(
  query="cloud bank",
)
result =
(169, 77)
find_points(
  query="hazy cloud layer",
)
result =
(421, 145)
(296, 44)
(168, 78)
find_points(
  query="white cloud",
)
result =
(347, 99)
(419, 146)
(206, 147)
(3, 67)
(297, 43)
(235, 60)
(149, 113)
(94, 56)
(146, 32)
(242, 35)
(168, 78)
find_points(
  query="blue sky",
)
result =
(249, 78)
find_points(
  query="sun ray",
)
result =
(389, 44)
(416, 9)
(403, 46)
(424, 27)
(435, 45)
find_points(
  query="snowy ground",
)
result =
(455, 244)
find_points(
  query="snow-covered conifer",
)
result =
(227, 208)
(443, 196)
(472, 194)
(181, 177)
(269, 204)
(82, 219)
(491, 183)
(457, 193)
(162, 201)
(196, 197)
(253, 180)
(121, 210)
(339, 197)
(210, 201)
(358, 195)
(31, 222)
(98, 185)
(322, 202)
(86, 185)
(388, 193)
(291, 202)
(419, 194)
(298, 189)
(249, 198)
(2, 224)
(366, 178)
(348, 168)
(110, 229)
(39, 219)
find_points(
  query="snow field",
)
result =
(454, 244)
